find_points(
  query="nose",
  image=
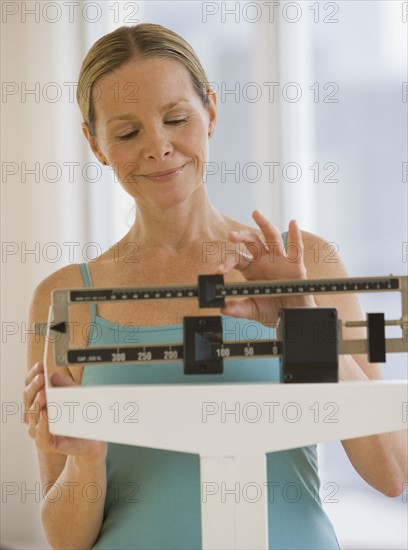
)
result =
(157, 145)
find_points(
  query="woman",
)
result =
(149, 113)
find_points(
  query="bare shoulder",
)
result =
(322, 258)
(66, 277)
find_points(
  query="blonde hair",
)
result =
(143, 41)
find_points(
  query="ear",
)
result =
(93, 143)
(212, 110)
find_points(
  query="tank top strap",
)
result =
(284, 238)
(86, 275)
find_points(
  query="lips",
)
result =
(165, 173)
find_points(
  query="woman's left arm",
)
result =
(381, 460)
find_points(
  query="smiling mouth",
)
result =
(168, 173)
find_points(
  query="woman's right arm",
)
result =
(73, 471)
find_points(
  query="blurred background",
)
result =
(312, 100)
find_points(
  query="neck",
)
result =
(179, 227)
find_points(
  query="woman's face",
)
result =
(150, 120)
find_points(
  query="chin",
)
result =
(166, 203)
(174, 198)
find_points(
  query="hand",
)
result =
(36, 417)
(269, 261)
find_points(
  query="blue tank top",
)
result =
(153, 496)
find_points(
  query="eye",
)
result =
(175, 122)
(129, 136)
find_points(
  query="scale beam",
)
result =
(212, 287)
(315, 331)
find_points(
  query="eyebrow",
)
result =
(132, 117)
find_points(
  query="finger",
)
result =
(36, 369)
(31, 390)
(240, 308)
(32, 417)
(236, 260)
(43, 438)
(249, 238)
(32, 414)
(294, 234)
(252, 246)
(255, 247)
(295, 239)
(61, 380)
(41, 399)
(270, 232)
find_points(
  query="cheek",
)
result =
(197, 140)
(122, 160)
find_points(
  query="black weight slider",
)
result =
(309, 345)
(200, 337)
(207, 290)
(376, 337)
